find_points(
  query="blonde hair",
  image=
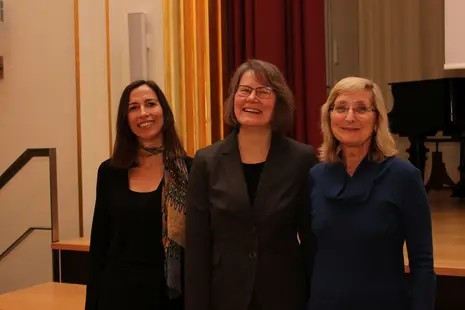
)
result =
(383, 144)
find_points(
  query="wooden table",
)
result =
(71, 260)
(47, 296)
(78, 244)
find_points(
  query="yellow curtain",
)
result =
(188, 71)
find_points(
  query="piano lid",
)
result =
(425, 107)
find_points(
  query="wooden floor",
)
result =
(448, 216)
(45, 296)
(448, 233)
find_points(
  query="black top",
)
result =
(137, 239)
(252, 174)
(360, 224)
(127, 257)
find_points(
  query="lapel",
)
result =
(234, 173)
(270, 176)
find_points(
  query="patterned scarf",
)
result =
(174, 200)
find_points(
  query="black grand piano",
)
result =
(421, 109)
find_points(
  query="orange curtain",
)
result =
(189, 71)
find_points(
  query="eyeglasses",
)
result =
(359, 109)
(262, 92)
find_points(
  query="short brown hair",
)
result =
(269, 75)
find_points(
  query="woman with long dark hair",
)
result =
(137, 238)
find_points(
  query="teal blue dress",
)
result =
(359, 224)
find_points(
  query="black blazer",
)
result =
(233, 248)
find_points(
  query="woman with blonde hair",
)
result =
(364, 204)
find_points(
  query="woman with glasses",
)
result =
(246, 203)
(364, 204)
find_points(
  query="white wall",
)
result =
(454, 23)
(95, 78)
(94, 105)
(37, 110)
(45, 102)
(119, 51)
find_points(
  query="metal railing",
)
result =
(14, 168)
(21, 238)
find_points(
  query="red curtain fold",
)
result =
(291, 35)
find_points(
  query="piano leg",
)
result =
(417, 153)
(459, 189)
(439, 178)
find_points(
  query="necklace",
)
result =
(150, 151)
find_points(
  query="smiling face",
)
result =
(353, 118)
(254, 102)
(145, 115)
